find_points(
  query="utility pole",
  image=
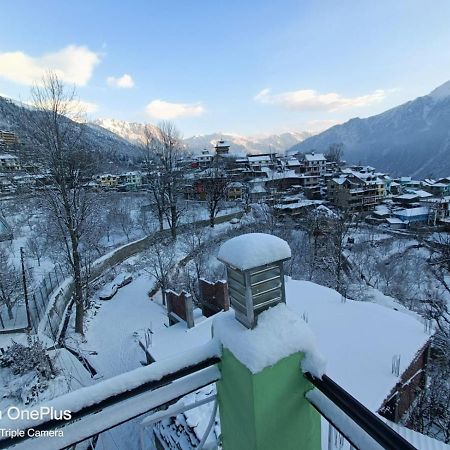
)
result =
(25, 291)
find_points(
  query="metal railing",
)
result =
(112, 402)
(121, 399)
(336, 405)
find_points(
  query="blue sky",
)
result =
(254, 67)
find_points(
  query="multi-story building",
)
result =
(130, 181)
(222, 147)
(107, 180)
(8, 138)
(356, 191)
(315, 164)
(204, 159)
(9, 163)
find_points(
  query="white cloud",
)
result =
(72, 64)
(125, 81)
(160, 109)
(311, 100)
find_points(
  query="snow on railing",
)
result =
(91, 410)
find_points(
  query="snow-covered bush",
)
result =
(22, 359)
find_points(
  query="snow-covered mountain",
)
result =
(113, 151)
(277, 143)
(131, 131)
(135, 132)
(411, 139)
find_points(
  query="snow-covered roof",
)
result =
(411, 212)
(394, 220)
(407, 196)
(340, 180)
(7, 156)
(315, 157)
(346, 333)
(258, 189)
(253, 250)
(358, 339)
(258, 158)
(421, 193)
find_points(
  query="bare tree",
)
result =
(9, 285)
(338, 229)
(193, 244)
(67, 165)
(335, 153)
(122, 220)
(154, 176)
(161, 261)
(163, 147)
(36, 245)
(215, 185)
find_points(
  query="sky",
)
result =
(246, 67)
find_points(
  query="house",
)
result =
(257, 190)
(294, 206)
(9, 163)
(356, 191)
(235, 191)
(315, 164)
(204, 159)
(130, 181)
(395, 223)
(8, 138)
(413, 215)
(222, 147)
(438, 188)
(257, 162)
(439, 209)
(107, 180)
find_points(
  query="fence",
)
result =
(40, 297)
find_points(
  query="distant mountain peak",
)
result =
(135, 132)
(441, 92)
(410, 139)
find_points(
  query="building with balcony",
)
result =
(356, 191)
(9, 138)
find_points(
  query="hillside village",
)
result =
(292, 185)
(225, 225)
(281, 194)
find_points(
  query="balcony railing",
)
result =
(113, 402)
(360, 427)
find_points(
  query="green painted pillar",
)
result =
(266, 410)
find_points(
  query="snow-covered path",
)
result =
(111, 331)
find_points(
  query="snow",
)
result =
(252, 250)
(169, 342)
(91, 395)
(315, 157)
(419, 440)
(358, 339)
(349, 428)
(116, 414)
(279, 333)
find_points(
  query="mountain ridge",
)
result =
(134, 132)
(409, 139)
